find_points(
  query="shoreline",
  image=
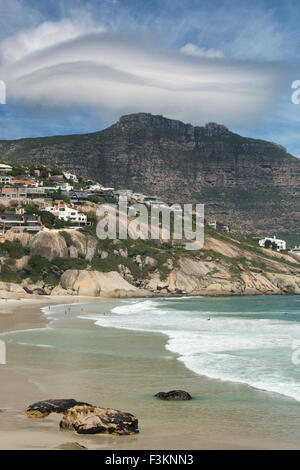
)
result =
(130, 394)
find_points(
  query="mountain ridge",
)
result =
(251, 184)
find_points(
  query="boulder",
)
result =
(41, 409)
(95, 284)
(150, 263)
(21, 263)
(48, 244)
(79, 241)
(94, 420)
(174, 395)
(73, 252)
(91, 248)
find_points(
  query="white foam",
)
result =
(236, 347)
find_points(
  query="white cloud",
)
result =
(45, 35)
(193, 49)
(61, 65)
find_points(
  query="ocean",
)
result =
(237, 356)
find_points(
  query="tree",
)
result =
(268, 244)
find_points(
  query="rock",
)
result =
(41, 409)
(48, 244)
(93, 420)
(79, 241)
(95, 284)
(255, 270)
(125, 273)
(150, 264)
(138, 260)
(91, 248)
(73, 252)
(21, 263)
(70, 446)
(104, 255)
(23, 237)
(174, 395)
(123, 253)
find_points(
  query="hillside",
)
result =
(76, 263)
(252, 185)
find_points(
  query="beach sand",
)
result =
(129, 369)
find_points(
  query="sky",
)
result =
(74, 66)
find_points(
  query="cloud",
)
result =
(61, 65)
(193, 49)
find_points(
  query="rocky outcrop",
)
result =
(48, 244)
(94, 420)
(95, 284)
(10, 290)
(41, 409)
(174, 395)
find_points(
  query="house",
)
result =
(67, 213)
(70, 177)
(77, 197)
(281, 244)
(25, 182)
(29, 222)
(296, 250)
(5, 168)
(217, 226)
(5, 179)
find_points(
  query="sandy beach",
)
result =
(125, 372)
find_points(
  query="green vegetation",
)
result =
(67, 237)
(8, 275)
(14, 250)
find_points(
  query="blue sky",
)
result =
(74, 66)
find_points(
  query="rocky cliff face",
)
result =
(226, 265)
(250, 184)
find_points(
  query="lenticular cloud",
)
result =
(67, 64)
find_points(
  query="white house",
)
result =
(70, 176)
(5, 179)
(281, 244)
(66, 213)
(5, 168)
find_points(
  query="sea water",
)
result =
(247, 340)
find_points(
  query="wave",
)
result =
(242, 347)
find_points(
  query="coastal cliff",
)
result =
(74, 263)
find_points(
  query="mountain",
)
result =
(250, 184)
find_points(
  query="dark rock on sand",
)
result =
(93, 420)
(174, 395)
(41, 409)
(70, 446)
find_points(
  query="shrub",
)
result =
(14, 250)
(8, 275)
(67, 238)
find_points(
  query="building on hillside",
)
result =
(217, 226)
(5, 168)
(5, 179)
(70, 176)
(24, 193)
(20, 222)
(281, 244)
(25, 182)
(296, 250)
(77, 197)
(67, 213)
(95, 187)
